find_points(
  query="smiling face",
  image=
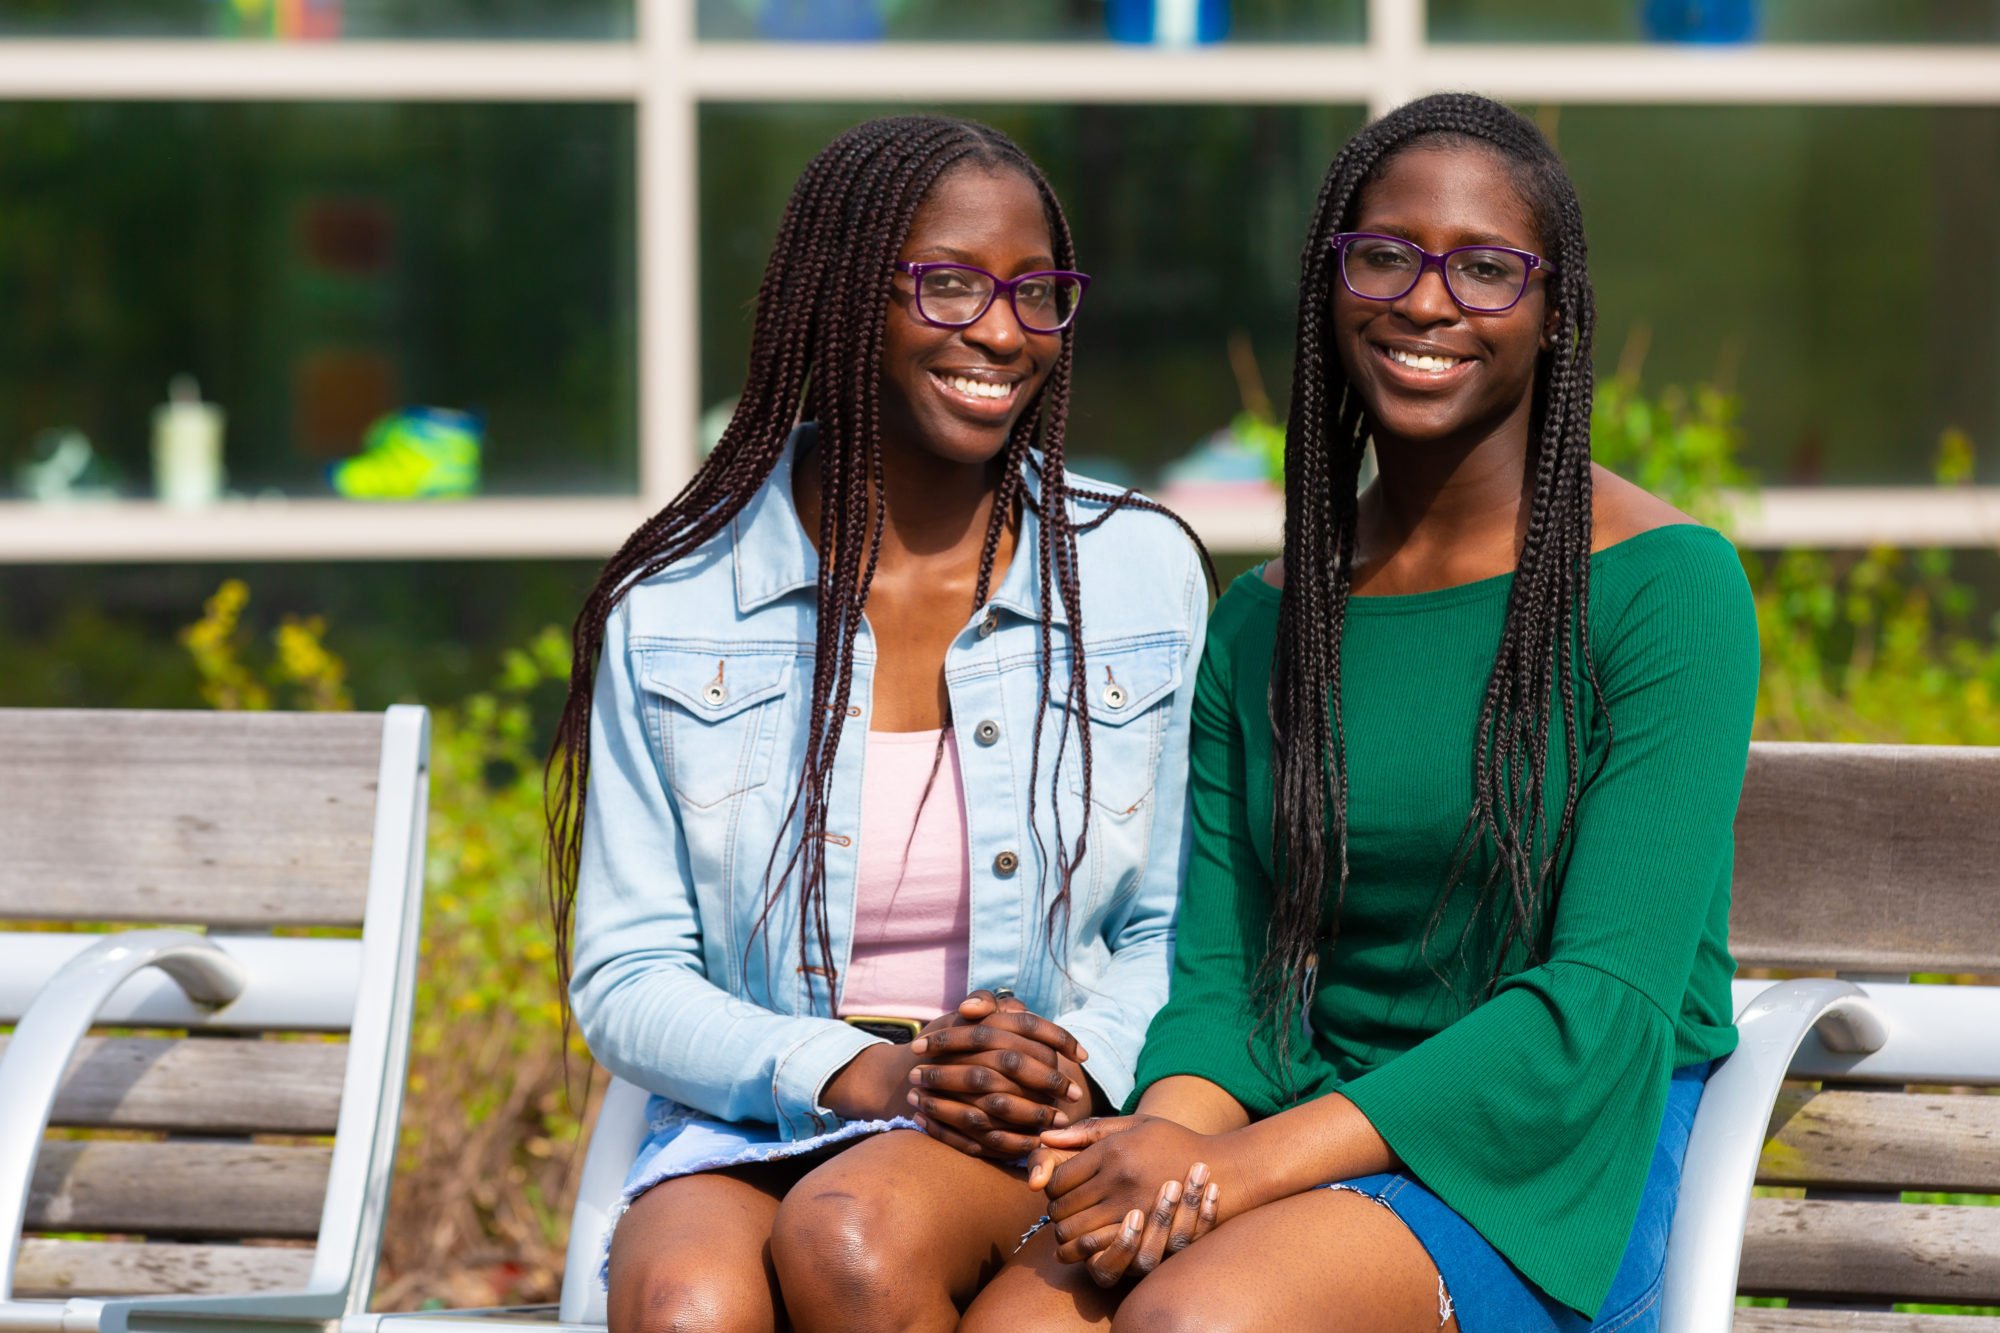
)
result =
(1427, 371)
(956, 393)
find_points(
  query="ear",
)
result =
(1549, 323)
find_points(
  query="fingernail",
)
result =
(1133, 1221)
(1060, 1121)
(1213, 1190)
(913, 1099)
(1173, 1191)
(1075, 1093)
(922, 1123)
(1081, 1055)
(1199, 1176)
(920, 1045)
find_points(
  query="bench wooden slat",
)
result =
(1872, 858)
(228, 819)
(1892, 1251)
(57, 1268)
(179, 1189)
(200, 1085)
(1884, 1140)
(1750, 1320)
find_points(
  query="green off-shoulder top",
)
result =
(1530, 1107)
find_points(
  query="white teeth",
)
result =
(978, 388)
(1430, 363)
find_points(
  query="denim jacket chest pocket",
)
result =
(1127, 686)
(714, 713)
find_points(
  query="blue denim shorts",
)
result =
(1489, 1295)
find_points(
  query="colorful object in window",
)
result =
(1700, 20)
(291, 20)
(822, 20)
(420, 453)
(1167, 22)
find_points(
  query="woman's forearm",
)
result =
(1310, 1145)
(1195, 1102)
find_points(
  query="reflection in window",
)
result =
(1834, 265)
(315, 269)
(318, 20)
(1015, 20)
(1714, 20)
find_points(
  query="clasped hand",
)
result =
(993, 1076)
(1107, 1201)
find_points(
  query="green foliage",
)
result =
(1682, 445)
(1877, 645)
(483, 1189)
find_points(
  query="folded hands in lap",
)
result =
(992, 1076)
(1120, 1196)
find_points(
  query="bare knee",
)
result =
(1164, 1306)
(838, 1248)
(688, 1297)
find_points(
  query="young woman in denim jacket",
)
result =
(883, 719)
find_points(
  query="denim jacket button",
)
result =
(986, 732)
(988, 625)
(714, 695)
(1114, 696)
(1006, 863)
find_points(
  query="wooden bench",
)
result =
(1872, 863)
(232, 1174)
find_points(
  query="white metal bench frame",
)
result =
(59, 986)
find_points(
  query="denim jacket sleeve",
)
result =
(640, 986)
(1111, 1023)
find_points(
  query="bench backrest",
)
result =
(273, 1118)
(1877, 862)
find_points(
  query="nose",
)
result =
(1430, 301)
(998, 331)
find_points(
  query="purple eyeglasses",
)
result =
(952, 296)
(1485, 279)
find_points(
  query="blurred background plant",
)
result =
(492, 1121)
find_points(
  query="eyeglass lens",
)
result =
(960, 296)
(1477, 279)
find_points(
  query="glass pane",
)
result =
(315, 269)
(1834, 266)
(1026, 20)
(316, 20)
(1187, 218)
(1715, 20)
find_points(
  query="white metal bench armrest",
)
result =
(48, 1034)
(614, 1144)
(1706, 1244)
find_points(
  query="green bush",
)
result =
(490, 1127)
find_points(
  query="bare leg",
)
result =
(1327, 1259)
(695, 1253)
(898, 1232)
(1038, 1291)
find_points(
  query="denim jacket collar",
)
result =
(775, 557)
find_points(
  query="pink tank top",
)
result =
(913, 882)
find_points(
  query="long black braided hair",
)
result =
(814, 355)
(1544, 645)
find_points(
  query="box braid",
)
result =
(815, 353)
(1545, 639)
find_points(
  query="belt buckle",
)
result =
(900, 1031)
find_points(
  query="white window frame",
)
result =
(666, 74)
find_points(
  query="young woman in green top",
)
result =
(1464, 765)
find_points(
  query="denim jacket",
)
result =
(697, 739)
